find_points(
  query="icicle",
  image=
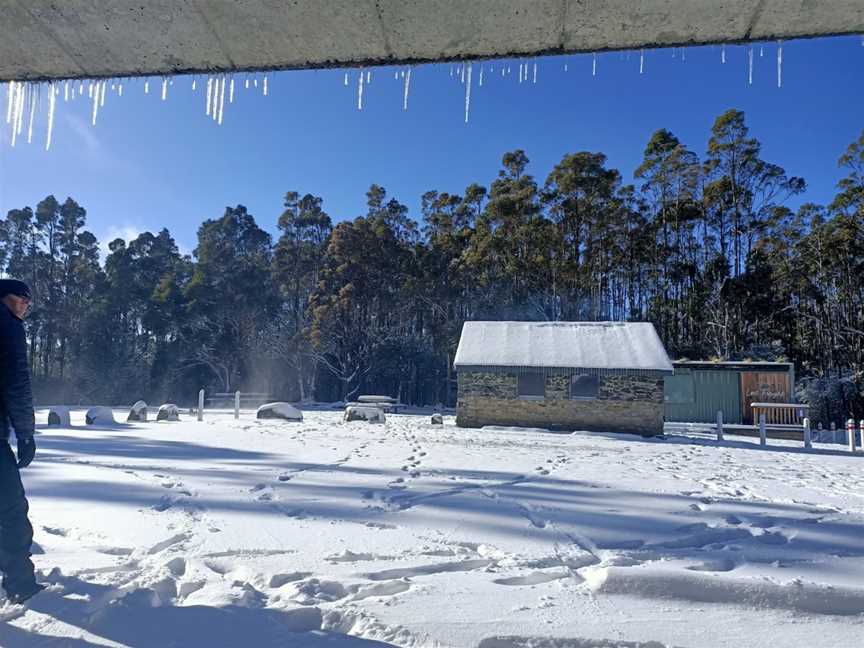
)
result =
(10, 94)
(255, 82)
(222, 98)
(360, 91)
(503, 70)
(95, 105)
(395, 76)
(164, 88)
(565, 67)
(673, 52)
(468, 94)
(535, 72)
(750, 65)
(723, 53)
(209, 91)
(683, 55)
(80, 88)
(520, 73)
(51, 101)
(90, 90)
(369, 76)
(405, 90)
(641, 61)
(451, 70)
(16, 100)
(113, 86)
(147, 87)
(761, 51)
(102, 94)
(194, 84)
(120, 90)
(214, 109)
(265, 85)
(247, 84)
(66, 91)
(481, 75)
(32, 115)
(594, 65)
(403, 74)
(345, 82)
(462, 73)
(231, 91)
(779, 63)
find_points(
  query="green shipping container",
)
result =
(696, 395)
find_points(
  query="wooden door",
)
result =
(759, 387)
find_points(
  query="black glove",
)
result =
(26, 452)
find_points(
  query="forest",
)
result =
(703, 245)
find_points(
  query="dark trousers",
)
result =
(16, 533)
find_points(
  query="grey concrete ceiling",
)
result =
(43, 39)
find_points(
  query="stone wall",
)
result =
(624, 403)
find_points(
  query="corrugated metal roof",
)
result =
(601, 345)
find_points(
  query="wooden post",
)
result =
(237, 404)
(763, 435)
(719, 425)
(850, 434)
(808, 441)
(201, 405)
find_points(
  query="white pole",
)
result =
(719, 425)
(850, 434)
(808, 441)
(237, 404)
(201, 405)
(763, 435)
(861, 432)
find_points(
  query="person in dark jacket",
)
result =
(16, 410)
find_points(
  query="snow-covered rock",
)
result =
(138, 412)
(437, 419)
(284, 411)
(59, 416)
(363, 413)
(168, 412)
(99, 416)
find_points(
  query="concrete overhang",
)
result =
(43, 39)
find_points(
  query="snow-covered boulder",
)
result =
(168, 412)
(363, 413)
(437, 419)
(59, 416)
(283, 411)
(138, 412)
(99, 416)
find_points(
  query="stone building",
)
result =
(605, 376)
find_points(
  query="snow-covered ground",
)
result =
(324, 533)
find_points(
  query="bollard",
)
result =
(201, 405)
(850, 434)
(763, 434)
(820, 436)
(834, 438)
(719, 425)
(861, 432)
(808, 440)
(237, 404)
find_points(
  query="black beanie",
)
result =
(14, 287)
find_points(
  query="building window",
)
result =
(531, 386)
(584, 386)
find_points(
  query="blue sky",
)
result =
(149, 164)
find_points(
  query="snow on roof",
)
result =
(587, 345)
